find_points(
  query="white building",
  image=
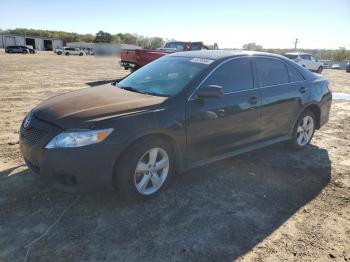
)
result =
(38, 43)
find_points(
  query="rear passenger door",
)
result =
(282, 91)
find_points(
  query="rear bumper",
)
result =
(325, 109)
(75, 170)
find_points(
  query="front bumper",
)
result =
(75, 170)
(80, 169)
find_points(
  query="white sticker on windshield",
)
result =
(202, 60)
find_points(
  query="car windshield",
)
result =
(177, 46)
(166, 76)
(290, 56)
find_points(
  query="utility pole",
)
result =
(296, 43)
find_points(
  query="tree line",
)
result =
(341, 54)
(99, 37)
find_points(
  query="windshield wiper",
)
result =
(130, 88)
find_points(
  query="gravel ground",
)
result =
(269, 205)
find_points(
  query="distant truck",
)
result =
(134, 59)
(69, 51)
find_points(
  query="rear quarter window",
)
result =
(294, 76)
(271, 71)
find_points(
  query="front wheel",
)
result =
(319, 70)
(145, 169)
(303, 130)
(81, 54)
(66, 53)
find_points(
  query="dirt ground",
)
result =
(269, 205)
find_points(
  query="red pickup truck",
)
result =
(134, 59)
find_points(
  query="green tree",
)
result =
(103, 37)
(89, 38)
(252, 47)
(128, 38)
(341, 54)
(116, 39)
(156, 42)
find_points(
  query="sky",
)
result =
(272, 24)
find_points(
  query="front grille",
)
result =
(32, 135)
(37, 132)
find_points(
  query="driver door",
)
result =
(216, 126)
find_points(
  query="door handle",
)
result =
(302, 89)
(253, 100)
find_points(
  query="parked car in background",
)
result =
(17, 49)
(326, 65)
(89, 51)
(336, 66)
(348, 67)
(183, 110)
(135, 59)
(31, 49)
(306, 60)
(69, 51)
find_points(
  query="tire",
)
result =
(81, 54)
(143, 185)
(320, 69)
(133, 69)
(59, 53)
(302, 136)
(24, 52)
(66, 53)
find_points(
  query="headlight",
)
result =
(79, 138)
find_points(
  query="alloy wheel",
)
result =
(305, 130)
(151, 171)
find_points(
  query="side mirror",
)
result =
(210, 91)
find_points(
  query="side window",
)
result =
(234, 75)
(294, 76)
(313, 59)
(306, 57)
(271, 71)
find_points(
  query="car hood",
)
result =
(82, 108)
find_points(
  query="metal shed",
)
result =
(39, 43)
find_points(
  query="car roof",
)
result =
(219, 54)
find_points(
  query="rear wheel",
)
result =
(59, 53)
(303, 130)
(81, 54)
(67, 53)
(145, 169)
(320, 69)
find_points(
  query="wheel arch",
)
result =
(315, 109)
(164, 136)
